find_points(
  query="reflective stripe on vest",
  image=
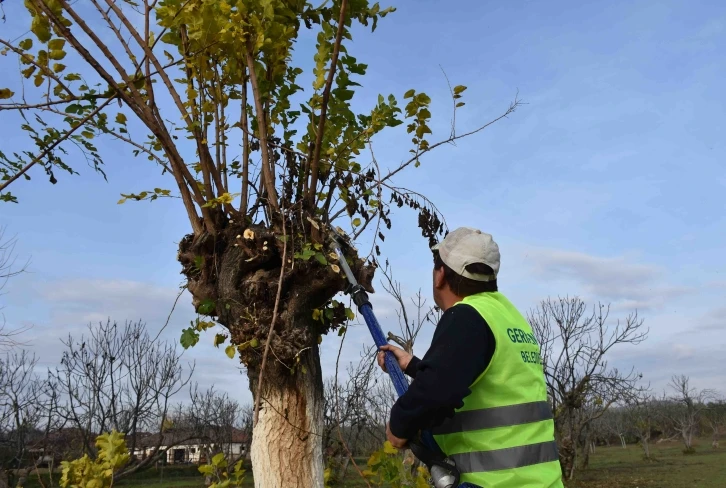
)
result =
(512, 457)
(488, 418)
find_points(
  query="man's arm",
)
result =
(460, 351)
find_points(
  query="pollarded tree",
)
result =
(208, 88)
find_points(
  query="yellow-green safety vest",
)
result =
(503, 436)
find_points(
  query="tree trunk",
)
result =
(235, 277)
(646, 448)
(287, 447)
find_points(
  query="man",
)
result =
(480, 387)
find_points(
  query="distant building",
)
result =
(187, 447)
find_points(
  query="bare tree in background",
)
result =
(20, 412)
(214, 418)
(345, 413)
(8, 269)
(716, 418)
(640, 415)
(118, 377)
(581, 385)
(612, 423)
(687, 409)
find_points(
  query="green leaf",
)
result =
(459, 89)
(409, 93)
(321, 259)
(254, 342)
(219, 339)
(230, 351)
(349, 313)
(189, 338)
(56, 55)
(341, 331)
(26, 44)
(56, 44)
(356, 222)
(120, 118)
(206, 307)
(460, 104)
(219, 461)
(5, 93)
(58, 67)
(41, 28)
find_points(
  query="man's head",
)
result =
(466, 262)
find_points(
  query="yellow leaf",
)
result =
(5, 93)
(389, 449)
(120, 118)
(230, 351)
(57, 43)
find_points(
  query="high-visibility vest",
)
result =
(503, 436)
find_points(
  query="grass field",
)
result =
(610, 467)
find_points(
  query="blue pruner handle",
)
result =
(392, 367)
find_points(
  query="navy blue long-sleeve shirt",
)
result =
(460, 351)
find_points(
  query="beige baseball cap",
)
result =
(465, 246)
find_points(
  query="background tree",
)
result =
(581, 385)
(716, 418)
(21, 410)
(119, 378)
(200, 80)
(8, 269)
(640, 414)
(686, 410)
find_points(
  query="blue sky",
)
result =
(608, 184)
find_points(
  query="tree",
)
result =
(581, 385)
(119, 378)
(20, 412)
(640, 413)
(687, 409)
(716, 418)
(203, 78)
(8, 269)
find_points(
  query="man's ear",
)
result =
(439, 280)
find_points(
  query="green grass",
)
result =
(610, 467)
(615, 467)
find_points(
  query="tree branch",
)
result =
(50, 148)
(315, 162)
(267, 176)
(512, 107)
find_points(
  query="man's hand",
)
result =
(402, 357)
(396, 442)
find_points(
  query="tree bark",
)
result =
(287, 447)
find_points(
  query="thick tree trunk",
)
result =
(287, 447)
(234, 277)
